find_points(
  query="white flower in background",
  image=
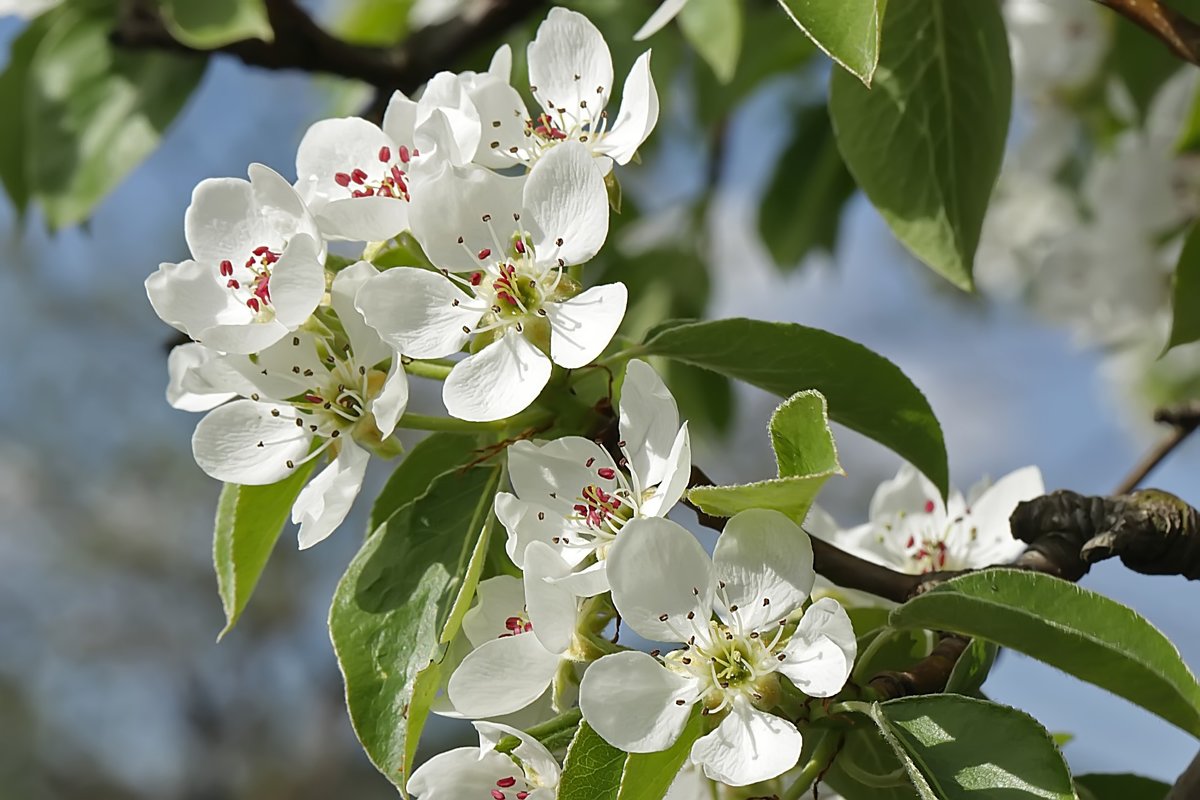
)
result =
(26, 9)
(1057, 45)
(571, 77)
(480, 773)
(357, 178)
(659, 19)
(666, 588)
(258, 270)
(524, 635)
(314, 394)
(571, 495)
(912, 530)
(514, 237)
(201, 379)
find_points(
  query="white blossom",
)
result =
(667, 11)
(572, 495)
(258, 265)
(514, 238)
(482, 773)
(666, 588)
(201, 379)
(1057, 45)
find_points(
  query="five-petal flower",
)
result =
(483, 773)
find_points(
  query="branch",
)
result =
(300, 44)
(1175, 30)
(1183, 419)
(928, 676)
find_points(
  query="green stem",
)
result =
(551, 729)
(821, 757)
(429, 369)
(425, 422)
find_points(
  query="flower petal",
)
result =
(365, 343)
(635, 703)
(324, 503)
(364, 219)
(502, 676)
(748, 746)
(530, 751)
(222, 221)
(297, 281)
(991, 511)
(400, 119)
(496, 600)
(501, 63)
(187, 297)
(675, 480)
(580, 328)
(453, 206)
(505, 139)
(658, 569)
(227, 442)
(392, 401)
(658, 20)
(445, 93)
(821, 652)
(587, 582)
(201, 379)
(458, 773)
(554, 474)
(568, 203)
(766, 562)
(529, 522)
(570, 67)
(637, 117)
(909, 492)
(500, 380)
(280, 207)
(552, 607)
(417, 312)
(649, 422)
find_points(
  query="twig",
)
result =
(928, 676)
(1183, 420)
(1176, 31)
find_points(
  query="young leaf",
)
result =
(1185, 296)
(865, 391)
(925, 143)
(959, 748)
(848, 31)
(214, 23)
(648, 776)
(433, 456)
(1117, 786)
(94, 111)
(714, 29)
(592, 769)
(249, 521)
(804, 454)
(397, 603)
(1080, 632)
(972, 667)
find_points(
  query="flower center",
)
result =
(385, 178)
(251, 283)
(516, 625)
(511, 786)
(588, 123)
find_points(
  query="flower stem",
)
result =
(425, 422)
(550, 731)
(818, 762)
(434, 370)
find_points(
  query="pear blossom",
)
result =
(912, 530)
(572, 495)
(315, 393)
(514, 237)
(1057, 45)
(201, 379)
(666, 588)
(571, 77)
(514, 665)
(667, 11)
(529, 772)
(357, 177)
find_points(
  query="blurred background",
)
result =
(111, 682)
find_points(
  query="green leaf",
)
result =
(805, 456)
(14, 145)
(399, 600)
(372, 22)
(972, 667)
(866, 767)
(432, 457)
(889, 649)
(865, 391)
(802, 206)
(848, 31)
(249, 522)
(592, 769)
(214, 23)
(957, 747)
(926, 142)
(1080, 632)
(714, 29)
(648, 776)
(1189, 135)
(1185, 296)
(1117, 786)
(94, 111)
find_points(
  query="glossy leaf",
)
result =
(972, 667)
(805, 457)
(592, 769)
(213, 23)
(926, 141)
(1119, 786)
(848, 31)
(400, 599)
(249, 522)
(865, 391)
(1185, 295)
(1080, 632)
(959, 748)
(433, 456)
(714, 29)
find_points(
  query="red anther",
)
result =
(580, 509)
(403, 186)
(314, 398)
(341, 178)
(929, 506)
(506, 783)
(385, 191)
(497, 794)
(519, 244)
(262, 290)
(261, 250)
(270, 258)
(589, 462)
(249, 263)
(476, 278)
(529, 625)
(233, 284)
(416, 152)
(369, 192)
(397, 175)
(226, 268)
(513, 623)
(385, 154)
(911, 542)
(522, 795)
(358, 176)
(484, 253)
(616, 504)
(608, 473)
(253, 303)
(403, 154)
(357, 193)
(505, 297)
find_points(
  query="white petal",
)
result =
(496, 600)
(187, 297)
(453, 206)
(222, 221)
(580, 328)
(297, 281)
(649, 422)
(365, 343)
(530, 522)
(991, 511)
(502, 676)
(638, 115)
(243, 339)
(226, 443)
(587, 582)
(632, 701)
(400, 119)
(554, 474)
(445, 93)
(501, 63)
(567, 200)
(821, 652)
(748, 746)
(764, 556)
(661, 16)
(530, 751)
(392, 401)
(909, 492)
(278, 371)
(462, 772)
(201, 379)
(364, 219)
(324, 503)
(552, 607)
(569, 63)
(414, 312)
(656, 568)
(280, 207)
(675, 480)
(503, 116)
(500, 380)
